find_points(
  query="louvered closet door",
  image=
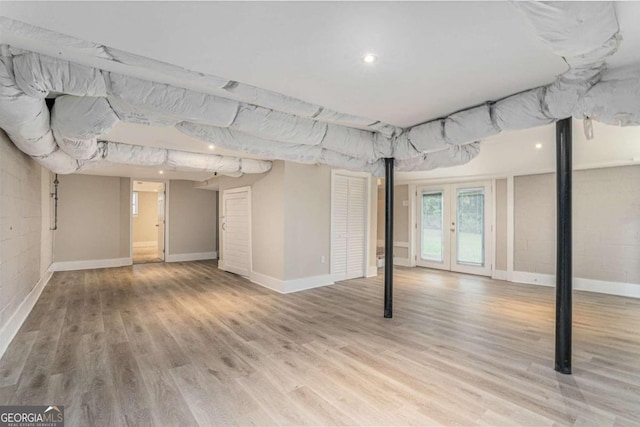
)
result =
(348, 231)
(236, 229)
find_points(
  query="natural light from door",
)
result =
(432, 226)
(470, 226)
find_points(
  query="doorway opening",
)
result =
(148, 222)
(454, 227)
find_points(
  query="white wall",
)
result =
(93, 219)
(307, 220)
(291, 224)
(192, 219)
(25, 238)
(267, 218)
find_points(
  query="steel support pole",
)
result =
(388, 239)
(563, 252)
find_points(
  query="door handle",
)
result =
(224, 226)
(453, 230)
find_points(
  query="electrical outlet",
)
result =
(322, 260)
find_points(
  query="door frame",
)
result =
(221, 231)
(367, 225)
(166, 214)
(449, 189)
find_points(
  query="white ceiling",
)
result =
(434, 57)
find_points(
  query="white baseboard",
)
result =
(304, 283)
(11, 328)
(148, 244)
(266, 281)
(293, 285)
(197, 256)
(372, 271)
(499, 275)
(580, 284)
(90, 264)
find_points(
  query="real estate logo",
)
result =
(31, 416)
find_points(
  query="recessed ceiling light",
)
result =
(538, 146)
(160, 172)
(369, 58)
(211, 146)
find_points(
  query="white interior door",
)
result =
(349, 228)
(160, 224)
(236, 230)
(455, 230)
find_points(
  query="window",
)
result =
(134, 204)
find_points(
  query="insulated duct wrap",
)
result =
(24, 118)
(278, 126)
(469, 125)
(130, 114)
(583, 33)
(172, 101)
(126, 154)
(59, 162)
(248, 144)
(181, 160)
(350, 142)
(254, 166)
(119, 86)
(78, 121)
(453, 156)
(614, 102)
(38, 75)
(521, 111)
(428, 137)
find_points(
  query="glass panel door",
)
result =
(471, 228)
(432, 226)
(454, 228)
(433, 229)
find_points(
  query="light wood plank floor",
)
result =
(186, 344)
(145, 254)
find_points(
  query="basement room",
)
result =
(319, 213)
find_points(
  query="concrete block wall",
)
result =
(606, 224)
(24, 255)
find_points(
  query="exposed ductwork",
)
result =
(103, 86)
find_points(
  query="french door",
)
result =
(454, 227)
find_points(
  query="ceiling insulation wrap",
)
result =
(96, 87)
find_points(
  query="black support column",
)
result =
(388, 239)
(563, 252)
